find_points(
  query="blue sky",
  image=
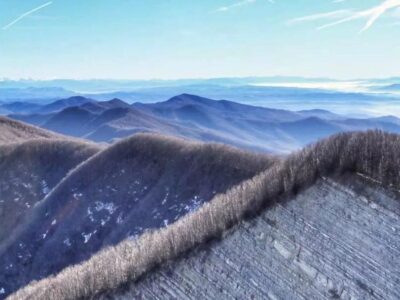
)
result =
(142, 39)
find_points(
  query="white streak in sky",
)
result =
(238, 4)
(329, 15)
(24, 15)
(372, 14)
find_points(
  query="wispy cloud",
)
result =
(24, 15)
(322, 16)
(372, 14)
(237, 5)
(344, 16)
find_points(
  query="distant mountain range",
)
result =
(194, 117)
(33, 94)
(391, 88)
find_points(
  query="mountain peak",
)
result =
(187, 98)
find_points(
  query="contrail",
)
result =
(372, 14)
(27, 14)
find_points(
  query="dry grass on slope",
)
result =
(12, 131)
(373, 153)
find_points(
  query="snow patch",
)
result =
(120, 219)
(90, 214)
(104, 222)
(45, 188)
(67, 242)
(194, 204)
(88, 236)
(44, 235)
(110, 207)
(165, 198)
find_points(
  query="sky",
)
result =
(171, 39)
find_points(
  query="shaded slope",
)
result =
(64, 103)
(310, 129)
(114, 120)
(143, 182)
(34, 119)
(101, 106)
(374, 154)
(70, 121)
(29, 170)
(12, 131)
(333, 240)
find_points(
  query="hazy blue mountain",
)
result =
(355, 104)
(20, 107)
(320, 113)
(64, 103)
(102, 85)
(199, 118)
(41, 95)
(34, 119)
(391, 88)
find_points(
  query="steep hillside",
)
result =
(302, 264)
(140, 183)
(12, 131)
(335, 240)
(29, 170)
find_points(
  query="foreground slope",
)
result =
(12, 131)
(308, 241)
(143, 182)
(331, 241)
(29, 170)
